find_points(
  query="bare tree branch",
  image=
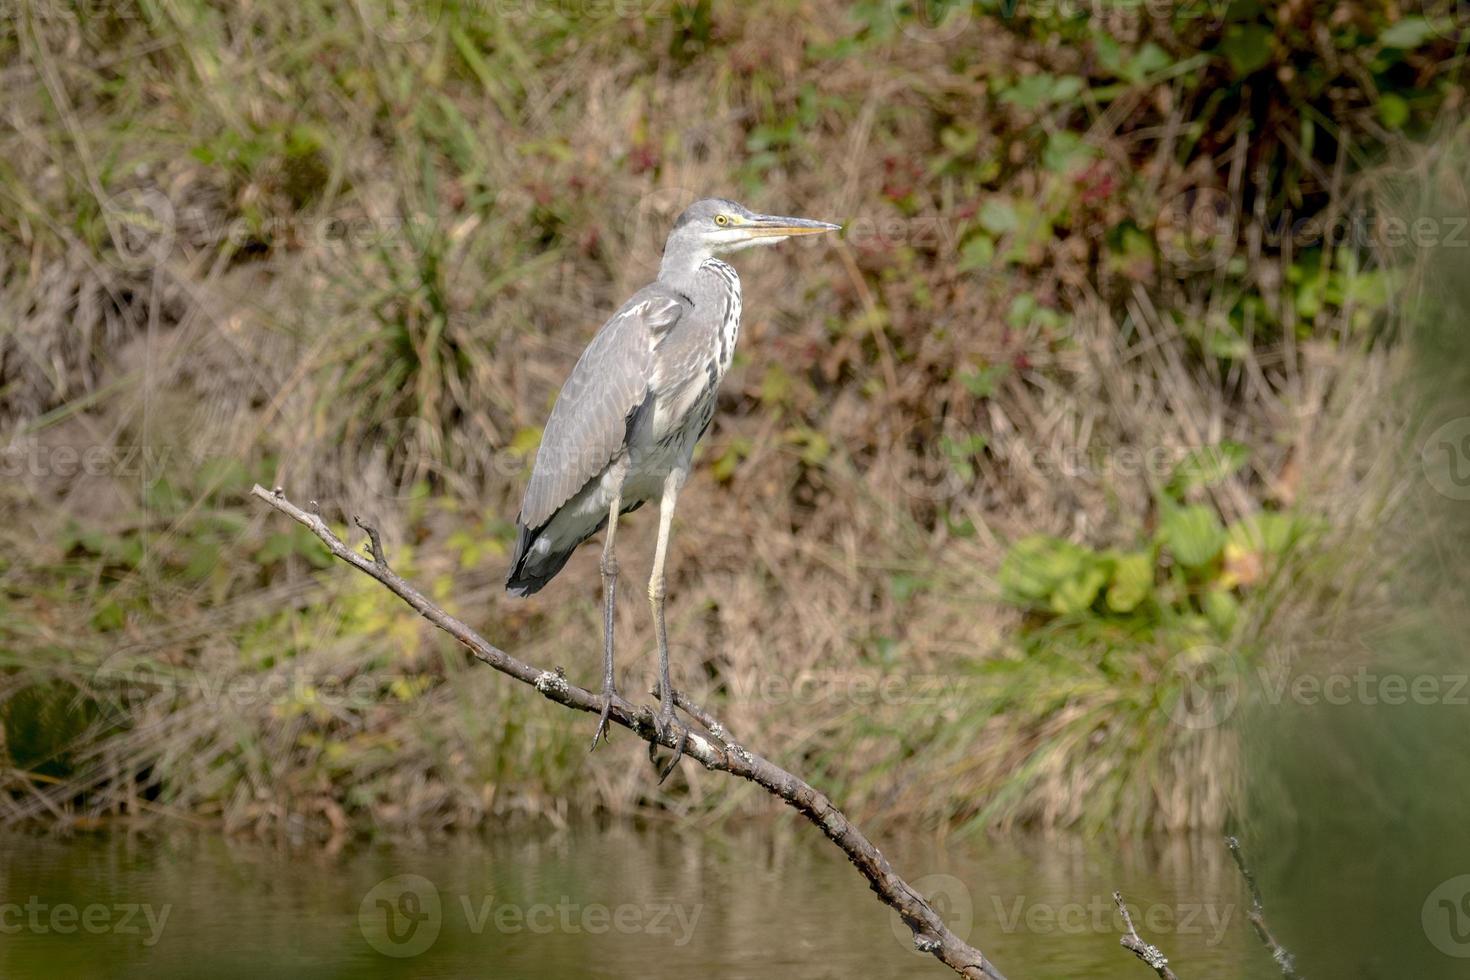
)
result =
(931, 935)
(1257, 916)
(1151, 955)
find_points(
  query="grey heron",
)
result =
(623, 429)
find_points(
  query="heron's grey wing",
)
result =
(589, 421)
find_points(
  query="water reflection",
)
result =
(615, 902)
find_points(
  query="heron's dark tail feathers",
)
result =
(526, 576)
(524, 580)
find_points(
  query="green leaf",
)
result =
(1267, 532)
(1036, 565)
(1193, 535)
(1065, 151)
(1133, 579)
(1407, 33)
(1393, 110)
(1149, 59)
(276, 547)
(109, 616)
(977, 253)
(1035, 91)
(1247, 46)
(1109, 53)
(1207, 466)
(203, 560)
(904, 587)
(1221, 609)
(982, 381)
(1075, 595)
(998, 216)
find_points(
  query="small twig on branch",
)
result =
(1152, 956)
(1257, 916)
(375, 544)
(931, 935)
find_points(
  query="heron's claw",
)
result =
(601, 731)
(665, 724)
(609, 697)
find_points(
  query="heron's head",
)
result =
(715, 226)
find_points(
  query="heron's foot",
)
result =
(609, 697)
(670, 729)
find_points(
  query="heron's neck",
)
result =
(679, 268)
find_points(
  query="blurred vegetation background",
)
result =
(1107, 404)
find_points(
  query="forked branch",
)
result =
(1151, 955)
(931, 935)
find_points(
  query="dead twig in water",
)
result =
(1257, 916)
(931, 935)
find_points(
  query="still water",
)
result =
(773, 900)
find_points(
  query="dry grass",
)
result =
(270, 244)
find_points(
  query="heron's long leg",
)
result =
(610, 591)
(656, 592)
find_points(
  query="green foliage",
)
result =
(43, 723)
(1186, 577)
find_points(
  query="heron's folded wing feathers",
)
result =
(589, 421)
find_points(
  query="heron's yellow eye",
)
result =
(721, 220)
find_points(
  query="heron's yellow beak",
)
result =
(779, 226)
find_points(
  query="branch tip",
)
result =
(375, 543)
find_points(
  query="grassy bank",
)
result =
(1006, 487)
